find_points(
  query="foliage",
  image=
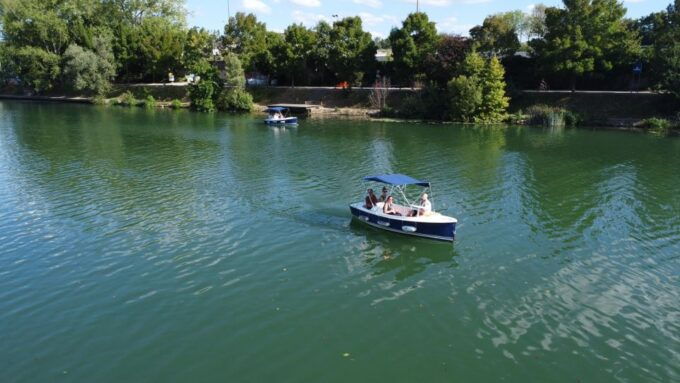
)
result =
(667, 49)
(498, 34)
(235, 77)
(247, 37)
(198, 47)
(201, 95)
(654, 124)
(150, 102)
(176, 104)
(478, 93)
(536, 22)
(37, 68)
(298, 52)
(586, 36)
(100, 100)
(411, 44)
(352, 51)
(443, 64)
(90, 70)
(127, 99)
(494, 102)
(235, 100)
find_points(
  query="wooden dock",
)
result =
(303, 109)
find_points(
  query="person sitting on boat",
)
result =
(425, 207)
(371, 200)
(383, 195)
(388, 207)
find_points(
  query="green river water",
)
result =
(140, 246)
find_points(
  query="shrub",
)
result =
(127, 99)
(235, 100)
(201, 96)
(149, 102)
(551, 116)
(176, 104)
(100, 100)
(655, 124)
(411, 107)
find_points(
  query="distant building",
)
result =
(383, 55)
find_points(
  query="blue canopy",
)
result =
(276, 109)
(397, 179)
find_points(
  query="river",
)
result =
(173, 246)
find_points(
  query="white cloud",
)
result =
(369, 3)
(451, 25)
(307, 3)
(308, 19)
(256, 6)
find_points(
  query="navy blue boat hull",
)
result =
(287, 121)
(437, 231)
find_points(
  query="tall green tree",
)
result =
(299, 50)
(444, 63)
(586, 37)
(198, 47)
(498, 34)
(352, 50)
(477, 94)
(247, 37)
(411, 45)
(667, 51)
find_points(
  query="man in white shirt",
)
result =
(425, 207)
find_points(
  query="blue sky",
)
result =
(379, 16)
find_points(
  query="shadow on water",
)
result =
(405, 256)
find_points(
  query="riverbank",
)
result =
(598, 109)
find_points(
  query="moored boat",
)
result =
(280, 116)
(416, 219)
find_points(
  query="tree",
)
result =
(411, 45)
(160, 47)
(234, 96)
(466, 93)
(497, 35)
(667, 51)
(352, 51)
(90, 70)
(494, 102)
(478, 93)
(587, 36)
(443, 64)
(246, 37)
(37, 68)
(300, 43)
(536, 22)
(198, 47)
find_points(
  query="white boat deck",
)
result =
(432, 218)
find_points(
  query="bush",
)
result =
(655, 124)
(127, 99)
(201, 96)
(176, 104)
(551, 116)
(235, 100)
(411, 107)
(149, 102)
(100, 100)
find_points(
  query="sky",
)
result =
(379, 16)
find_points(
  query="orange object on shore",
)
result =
(343, 85)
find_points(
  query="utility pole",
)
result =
(228, 12)
(417, 6)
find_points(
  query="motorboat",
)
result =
(408, 218)
(280, 116)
